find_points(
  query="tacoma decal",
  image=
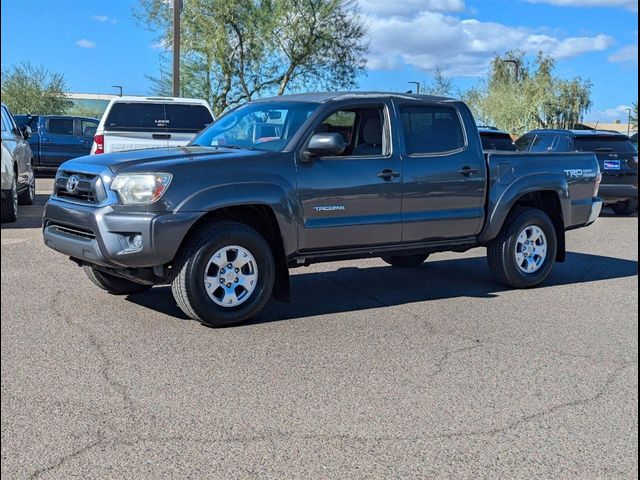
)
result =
(329, 208)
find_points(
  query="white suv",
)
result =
(134, 123)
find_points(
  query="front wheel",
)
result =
(113, 284)
(28, 196)
(406, 261)
(10, 203)
(522, 254)
(625, 208)
(225, 274)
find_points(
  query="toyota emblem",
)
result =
(72, 184)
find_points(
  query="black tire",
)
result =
(501, 252)
(626, 207)
(113, 284)
(406, 261)
(188, 285)
(28, 195)
(10, 203)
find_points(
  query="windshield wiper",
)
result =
(234, 147)
(604, 149)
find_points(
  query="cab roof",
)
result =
(324, 97)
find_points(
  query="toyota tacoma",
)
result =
(293, 180)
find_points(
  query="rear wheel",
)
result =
(113, 284)
(406, 261)
(626, 207)
(10, 203)
(28, 196)
(522, 255)
(225, 274)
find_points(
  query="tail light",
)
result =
(635, 160)
(596, 187)
(99, 141)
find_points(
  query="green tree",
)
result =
(442, 86)
(634, 115)
(234, 50)
(536, 99)
(35, 90)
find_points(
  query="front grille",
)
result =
(84, 233)
(89, 190)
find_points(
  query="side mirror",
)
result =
(325, 145)
(26, 132)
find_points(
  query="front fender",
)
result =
(503, 197)
(216, 197)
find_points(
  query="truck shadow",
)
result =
(354, 289)
(29, 216)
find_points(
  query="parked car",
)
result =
(634, 140)
(134, 123)
(494, 139)
(18, 180)
(293, 180)
(58, 138)
(617, 156)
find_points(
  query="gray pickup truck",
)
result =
(293, 180)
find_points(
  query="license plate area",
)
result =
(612, 165)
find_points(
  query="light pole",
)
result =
(516, 65)
(628, 122)
(118, 87)
(417, 84)
(177, 9)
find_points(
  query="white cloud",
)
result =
(628, 4)
(84, 43)
(404, 8)
(628, 53)
(615, 113)
(462, 47)
(104, 19)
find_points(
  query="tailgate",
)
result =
(619, 168)
(123, 141)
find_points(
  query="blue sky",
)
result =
(98, 43)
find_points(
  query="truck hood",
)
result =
(154, 159)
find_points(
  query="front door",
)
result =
(58, 142)
(444, 179)
(352, 199)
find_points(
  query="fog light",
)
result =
(136, 241)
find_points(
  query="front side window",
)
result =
(362, 129)
(60, 126)
(257, 126)
(431, 130)
(5, 124)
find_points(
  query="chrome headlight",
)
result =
(140, 188)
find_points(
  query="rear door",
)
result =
(444, 179)
(58, 141)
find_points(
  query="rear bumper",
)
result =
(613, 192)
(596, 207)
(100, 235)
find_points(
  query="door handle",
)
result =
(46, 140)
(467, 171)
(388, 174)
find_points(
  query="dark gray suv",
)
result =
(616, 155)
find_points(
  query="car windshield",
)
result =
(257, 126)
(620, 144)
(497, 141)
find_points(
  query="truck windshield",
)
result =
(257, 126)
(616, 144)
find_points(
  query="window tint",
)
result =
(601, 143)
(60, 126)
(562, 144)
(542, 143)
(88, 127)
(431, 129)
(524, 142)
(157, 117)
(497, 141)
(9, 124)
(362, 130)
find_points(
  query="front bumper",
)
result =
(99, 235)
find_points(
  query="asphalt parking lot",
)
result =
(371, 372)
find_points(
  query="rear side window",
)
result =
(563, 144)
(497, 141)
(88, 128)
(542, 143)
(157, 117)
(430, 130)
(60, 126)
(604, 144)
